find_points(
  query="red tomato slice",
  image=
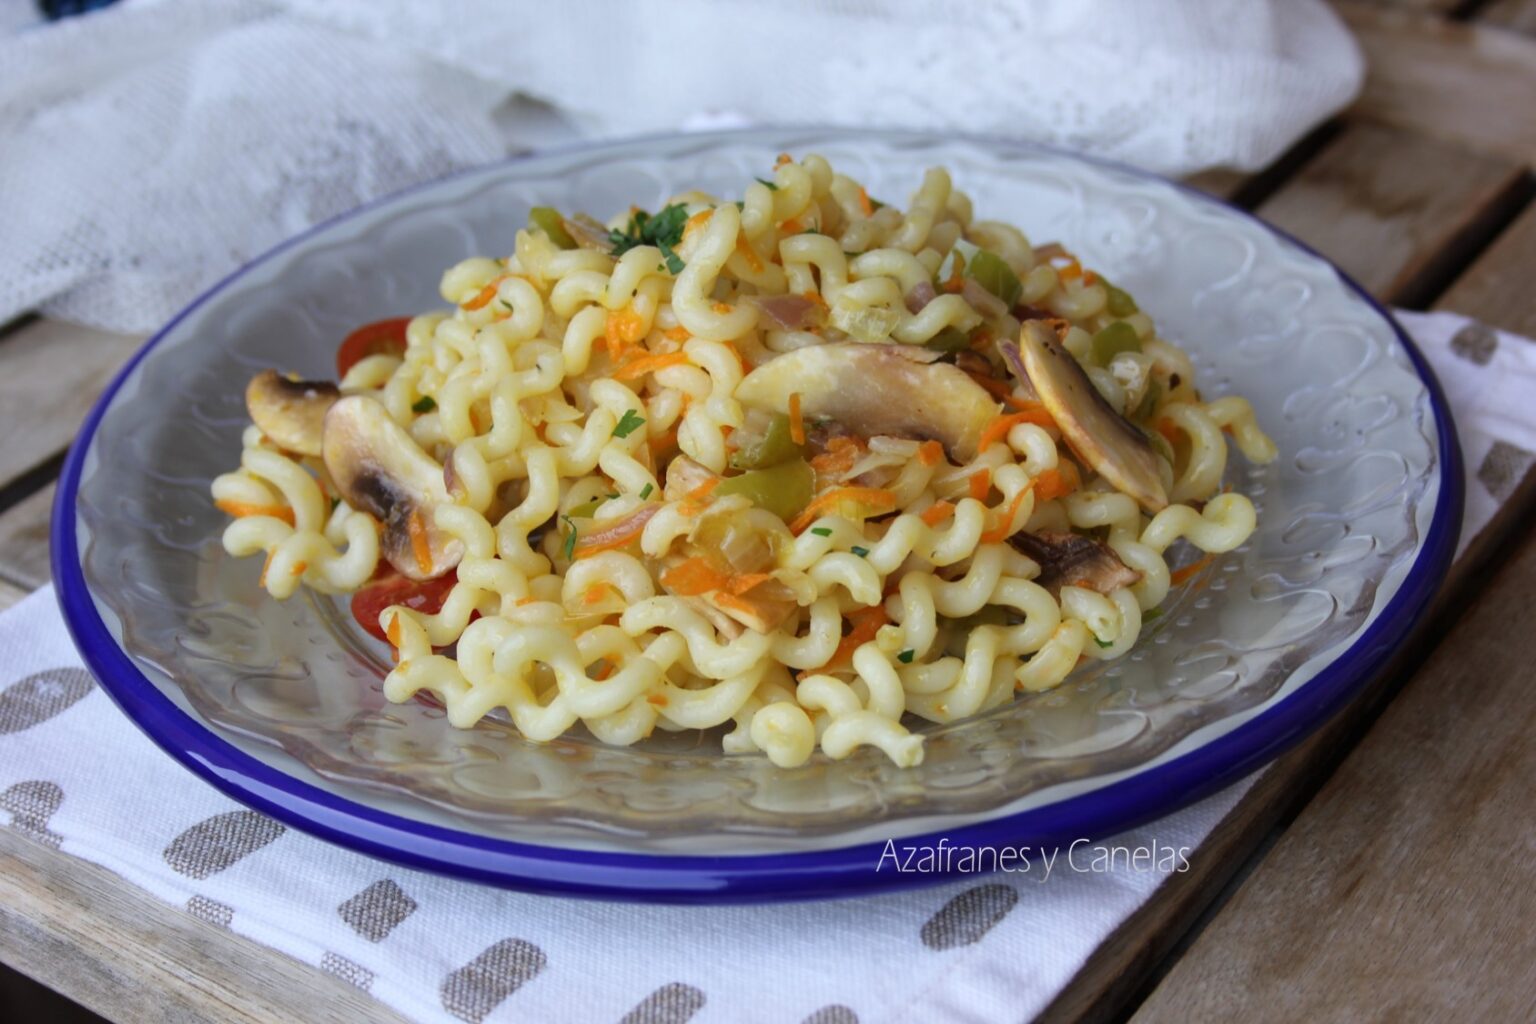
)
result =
(390, 589)
(381, 338)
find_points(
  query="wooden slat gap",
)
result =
(1267, 182)
(1441, 269)
(31, 481)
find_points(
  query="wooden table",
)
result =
(1381, 870)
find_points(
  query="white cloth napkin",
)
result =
(76, 775)
(150, 147)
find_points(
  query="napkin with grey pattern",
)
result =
(77, 776)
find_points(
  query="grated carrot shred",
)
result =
(938, 512)
(393, 632)
(261, 581)
(595, 593)
(605, 671)
(721, 307)
(241, 509)
(754, 261)
(299, 568)
(812, 295)
(1000, 532)
(522, 601)
(695, 500)
(745, 583)
(784, 158)
(842, 452)
(930, 453)
(658, 699)
(981, 483)
(678, 334)
(876, 499)
(796, 423)
(421, 550)
(643, 365)
(866, 622)
(485, 294)
(865, 206)
(694, 576)
(1168, 429)
(792, 226)
(997, 430)
(696, 223)
(1181, 576)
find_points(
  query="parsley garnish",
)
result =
(771, 186)
(674, 262)
(861, 552)
(570, 539)
(335, 504)
(647, 492)
(631, 422)
(875, 204)
(741, 205)
(666, 228)
(1103, 643)
(822, 531)
(906, 656)
(810, 231)
(505, 304)
(425, 403)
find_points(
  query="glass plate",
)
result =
(280, 704)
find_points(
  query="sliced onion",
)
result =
(588, 233)
(921, 294)
(983, 301)
(787, 312)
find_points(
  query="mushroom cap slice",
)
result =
(1099, 435)
(379, 468)
(1072, 560)
(290, 412)
(877, 389)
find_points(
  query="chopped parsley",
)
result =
(906, 656)
(426, 403)
(861, 552)
(646, 493)
(335, 504)
(631, 422)
(675, 262)
(875, 204)
(1103, 643)
(771, 186)
(570, 539)
(505, 304)
(822, 531)
(664, 229)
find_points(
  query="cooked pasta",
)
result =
(803, 466)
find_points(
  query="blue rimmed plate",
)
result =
(279, 704)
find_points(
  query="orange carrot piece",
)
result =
(981, 483)
(938, 512)
(678, 334)
(485, 294)
(876, 499)
(1181, 576)
(241, 509)
(930, 453)
(694, 576)
(865, 206)
(1004, 527)
(649, 364)
(866, 623)
(796, 424)
(421, 550)
(997, 430)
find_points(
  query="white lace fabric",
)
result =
(151, 148)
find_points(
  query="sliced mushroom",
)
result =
(290, 412)
(1100, 436)
(870, 389)
(380, 469)
(1072, 560)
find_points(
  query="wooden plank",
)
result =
(1512, 15)
(91, 936)
(1466, 83)
(1497, 287)
(1121, 968)
(52, 372)
(1429, 6)
(1403, 891)
(1399, 212)
(24, 540)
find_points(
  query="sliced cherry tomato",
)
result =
(380, 338)
(391, 589)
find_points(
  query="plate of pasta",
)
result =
(684, 518)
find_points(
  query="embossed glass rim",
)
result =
(1121, 804)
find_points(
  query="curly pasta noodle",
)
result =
(628, 480)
